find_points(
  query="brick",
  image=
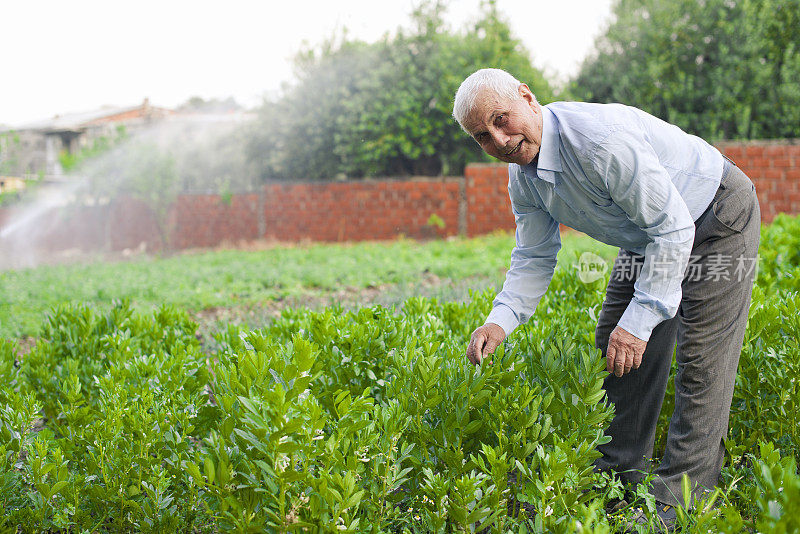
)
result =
(759, 163)
(781, 162)
(733, 152)
(754, 151)
(766, 187)
(775, 151)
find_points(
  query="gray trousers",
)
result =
(709, 330)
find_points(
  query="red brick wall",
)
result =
(354, 211)
(71, 228)
(357, 210)
(130, 222)
(6, 217)
(123, 224)
(488, 206)
(208, 220)
(774, 167)
(339, 211)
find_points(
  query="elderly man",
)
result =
(670, 201)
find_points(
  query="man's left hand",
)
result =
(624, 352)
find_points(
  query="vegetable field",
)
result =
(246, 283)
(122, 418)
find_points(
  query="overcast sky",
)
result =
(63, 56)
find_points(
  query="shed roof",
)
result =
(81, 120)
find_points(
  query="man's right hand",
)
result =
(485, 339)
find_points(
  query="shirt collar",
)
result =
(549, 160)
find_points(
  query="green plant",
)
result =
(384, 108)
(100, 145)
(363, 420)
(435, 220)
(717, 69)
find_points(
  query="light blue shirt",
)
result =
(623, 177)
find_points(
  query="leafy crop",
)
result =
(352, 421)
(367, 420)
(237, 278)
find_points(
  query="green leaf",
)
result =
(208, 467)
(473, 426)
(686, 489)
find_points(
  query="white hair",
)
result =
(502, 83)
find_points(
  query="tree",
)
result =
(777, 25)
(9, 152)
(139, 169)
(212, 105)
(360, 109)
(716, 68)
(155, 165)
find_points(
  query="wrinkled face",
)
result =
(510, 131)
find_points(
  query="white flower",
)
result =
(282, 463)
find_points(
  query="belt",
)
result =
(727, 165)
(729, 159)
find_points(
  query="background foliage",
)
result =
(384, 109)
(716, 68)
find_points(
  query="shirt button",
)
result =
(583, 212)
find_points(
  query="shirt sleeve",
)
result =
(533, 261)
(641, 186)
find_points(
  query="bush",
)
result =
(384, 108)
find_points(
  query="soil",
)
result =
(25, 345)
(257, 315)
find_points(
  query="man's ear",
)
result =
(526, 93)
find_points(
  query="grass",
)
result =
(252, 286)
